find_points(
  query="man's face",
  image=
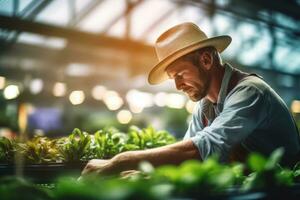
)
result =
(192, 80)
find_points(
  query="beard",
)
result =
(197, 93)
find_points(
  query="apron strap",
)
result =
(238, 153)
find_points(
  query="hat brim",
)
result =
(158, 73)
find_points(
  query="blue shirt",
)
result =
(252, 114)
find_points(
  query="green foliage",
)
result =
(190, 179)
(238, 171)
(194, 179)
(267, 173)
(109, 142)
(106, 189)
(256, 162)
(80, 146)
(7, 149)
(76, 147)
(296, 171)
(147, 138)
(39, 150)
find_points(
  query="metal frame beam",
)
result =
(33, 13)
(29, 8)
(125, 14)
(75, 54)
(289, 8)
(99, 60)
(295, 33)
(84, 12)
(157, 22)
(72, 35)
(30, 15)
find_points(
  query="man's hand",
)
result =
(129, 173)
(97, 166)
(170, 154)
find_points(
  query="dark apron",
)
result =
(238, 153)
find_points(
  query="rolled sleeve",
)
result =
(243, 111)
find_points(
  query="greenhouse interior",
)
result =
(82, 115)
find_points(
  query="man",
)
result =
(237, 113)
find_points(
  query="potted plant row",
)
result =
(43, 158)
(263, 179)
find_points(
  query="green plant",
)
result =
(197, 178)
(107, 189)
(7, 149)
(296, 171)
(80, 146)
(39, 150)
(193, 178)
(147, 138)
(75, 147)
(109, 142)
(267, 173)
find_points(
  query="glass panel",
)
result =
(6, 7)
(57, 13)
(101, 16)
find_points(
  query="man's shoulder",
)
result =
(255, 82)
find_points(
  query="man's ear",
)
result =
(206, 59)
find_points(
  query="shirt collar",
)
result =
(209, 110)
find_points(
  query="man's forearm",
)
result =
(170, 154)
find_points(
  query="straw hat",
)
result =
(179, 41)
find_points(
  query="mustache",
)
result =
(184, 87)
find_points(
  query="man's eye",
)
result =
(180, 74)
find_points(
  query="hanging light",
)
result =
(77, 97)
(138, 100)
(11, 92)
(160, 99)
(59, 89)
(36, 86)
(112, 100)
(98, 92)
(124, 116)
(175, 100)
(136, 108)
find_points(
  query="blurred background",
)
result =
(84, 63)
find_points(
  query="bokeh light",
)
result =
(77, 97)
(11, 92)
